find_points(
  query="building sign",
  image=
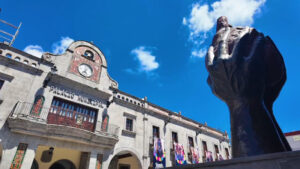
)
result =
(75, 96)
(19, 156)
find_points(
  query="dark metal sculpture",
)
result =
(247, 71)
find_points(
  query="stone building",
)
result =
(65, 111)
(294, 139)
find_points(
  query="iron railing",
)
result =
(27, 110)
(109, 129)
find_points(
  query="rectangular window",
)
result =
(129, 124)
(174, 137)
(204, 146)
(191, 141)
(227, 153)
(155, 131)
(1, 83)
(217, 151)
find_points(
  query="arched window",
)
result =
(37, 106)
(105, 121)
(33, 64)
(89, 54)
(17, 59)
(8, 55)
(25, 62)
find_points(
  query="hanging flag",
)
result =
(179, 154)
(195, 155)
(220, 158)
(209, 157)
(159, 153)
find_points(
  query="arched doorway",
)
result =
(34, 165)
(125, 160)
(63, 164)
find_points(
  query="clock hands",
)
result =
(85, 70)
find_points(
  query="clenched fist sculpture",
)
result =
(247, 71)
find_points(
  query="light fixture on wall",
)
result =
(47, 155)
(51, 149)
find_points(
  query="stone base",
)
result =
(282, 160)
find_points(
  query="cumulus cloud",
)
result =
(145, 58)
(199, 53)
(58, 47)
(239, 13)
(203, 17)
(34, 50)
(61, 46)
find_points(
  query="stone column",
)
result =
(10, 148)
(7, 157)
(93, 160)
(146, 135)
(113, 163)
(29, 156)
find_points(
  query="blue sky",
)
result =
(155, 48)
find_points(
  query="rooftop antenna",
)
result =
(12, 37)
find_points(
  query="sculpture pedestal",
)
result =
(282, 160)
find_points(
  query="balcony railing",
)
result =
(59, 116)
(26, 110)
(110, 128)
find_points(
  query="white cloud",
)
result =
(57, 47)
(61, 46)
(199, 53)
(130, 71)
(146, 59)
(34, 50)
(203, 18)
(239, 13)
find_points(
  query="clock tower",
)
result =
(86, 63)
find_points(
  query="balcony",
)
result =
(61, 125)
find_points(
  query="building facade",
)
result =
(294, 139)
(65, 111)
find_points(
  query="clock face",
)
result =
(85, 70)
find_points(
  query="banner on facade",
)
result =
(195, 155)
(19, 156)
(159, 156)
(179, 154)
(220, 157)
(208, 155)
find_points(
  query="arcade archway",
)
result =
(125, 160)
(35, 165)
(48, 157)
(63, 164)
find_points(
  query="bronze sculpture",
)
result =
(247, 71)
